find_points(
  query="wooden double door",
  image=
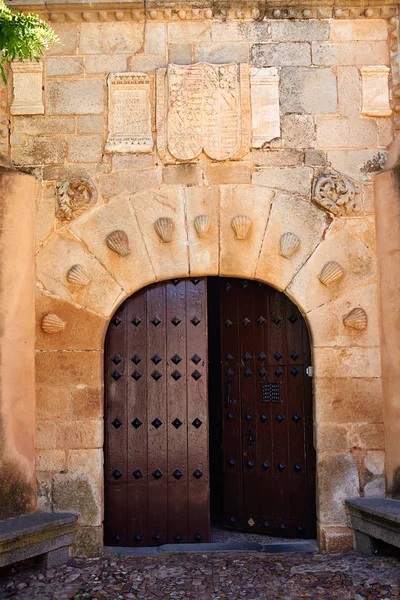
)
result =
(205, 387)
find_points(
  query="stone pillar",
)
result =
(17, 343)
(387, 210)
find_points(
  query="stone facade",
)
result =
(312, 177)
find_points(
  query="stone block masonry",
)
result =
(314, 57)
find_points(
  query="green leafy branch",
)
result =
(22, 37)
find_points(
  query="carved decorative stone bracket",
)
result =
(337, 194)
(74, 197)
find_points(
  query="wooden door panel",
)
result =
(156, 417)
(269, 432)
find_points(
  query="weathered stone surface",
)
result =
(222, 53)
(222, 32)
(352, 162)
(129, 182)
(78, 493)
(94, 227)
(216, 173)
(292, 215)
(333, 403)
(347, 362)
(265, 114)
(350, 53)
(75, 97)
(68, 34)
(204, 251)
(110, 38)
(85, 149)
(180, 54)
(64, 66)
(349, 91)
(90, 124)
(189, 32)
(367, 436)
(331, 438)
(358, 29)
(104, 63)
(338, 480)
(138, 162)
(185, 174)
(281, 55)
(375, 462)
(50, 405)
(27, 80)
(310, 91)
(296, 180)
(86, 402)
(35, 125)
(375, 488)
(346, 133)
(377, 518)
(277, 158)
(146, 62)
(89, 541)
(300, 31)
(154, 38)
(66, 369)
(298, 131)
(239, 257)
(44, 150)
(51, 461)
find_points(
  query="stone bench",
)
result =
(374, 520)
(49, 536)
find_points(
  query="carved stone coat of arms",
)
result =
(202, 108)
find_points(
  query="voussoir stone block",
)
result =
(239, 257)
(94, 227)
(75, 97)
(169, 259)
(203, 251)
(289, 215)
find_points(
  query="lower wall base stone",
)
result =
(335, 539)
(89, 541)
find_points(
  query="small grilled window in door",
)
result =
(271, 392)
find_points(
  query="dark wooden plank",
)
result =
(157, 475)
(116, 430)
(136, 353)
(175, 366)
(197, 411)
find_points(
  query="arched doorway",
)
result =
(165, 415)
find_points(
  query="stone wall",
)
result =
(326, 125)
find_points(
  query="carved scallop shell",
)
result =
(356, 319)
(118, 242)
(331, 273)
(202, 225)
(241, 225)
(165, 228)
(290, 243)
(78, 276)
(51, 323)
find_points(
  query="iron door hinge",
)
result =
(310, 371)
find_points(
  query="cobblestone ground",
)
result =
(212, 576)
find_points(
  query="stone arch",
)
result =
(70, 363)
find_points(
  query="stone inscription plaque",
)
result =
(129, 113)
(202, 108)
